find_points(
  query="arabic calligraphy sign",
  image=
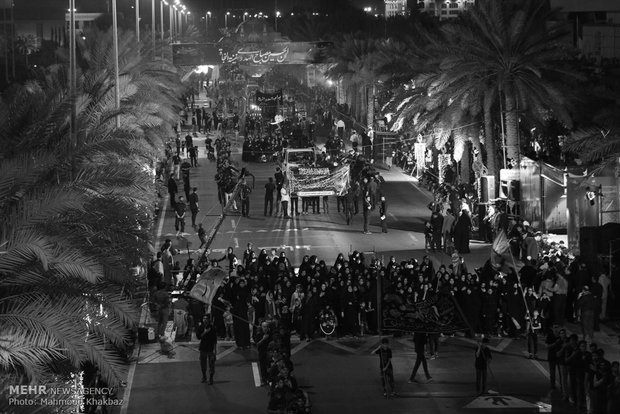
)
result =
(256, 57)
(278, 53)
(268, 98)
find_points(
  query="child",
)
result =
(363, 319)
(228, 322)
(387, 371)
(428, 235)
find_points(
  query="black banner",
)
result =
(269, 98)
(435, 314)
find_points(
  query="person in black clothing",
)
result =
(269, 189)
(241, 296)
(193, 156)
(554, 344)
(419, 340)
(382, 215)
(179, 223)
(193, 205)
(483, 359)
(279, 176)
(208, 344)
(173, 189)
(263, 338)
(189, 142)
(387, 370)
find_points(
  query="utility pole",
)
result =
(117, 90)
(138, 20)
(153, 27)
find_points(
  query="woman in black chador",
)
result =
(462, 229)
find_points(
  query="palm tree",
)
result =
(75, 212)
(514, 48)
(354, 60)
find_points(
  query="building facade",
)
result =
(395, 8)
(444, 9)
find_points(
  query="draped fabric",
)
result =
(435, 314)
(319, 181)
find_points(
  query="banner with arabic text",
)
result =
(269, 98)
(276, 53)
(314, 182)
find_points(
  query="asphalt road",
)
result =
(340, 376)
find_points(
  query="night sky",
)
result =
(57, 8)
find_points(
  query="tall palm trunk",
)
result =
(489, 142)
(465, 164)
(512, 127)
(370, 107)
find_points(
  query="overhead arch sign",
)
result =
(277, 53)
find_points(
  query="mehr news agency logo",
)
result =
(73, 394)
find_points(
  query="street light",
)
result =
(207, 17)
(276, 20)
(245, 15)
(226, 19)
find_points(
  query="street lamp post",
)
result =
(117, 92)
(72, 71)
(226, 19)
(138, 20)
(161, 26)
(153, 27)
(276, 20)
(245, 15)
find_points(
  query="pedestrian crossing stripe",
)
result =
(500, 402)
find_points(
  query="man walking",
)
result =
(483, 359)
(193, 156)
(193, 205)
(244, 194)
(367, 207)
(179, 223)
(382, 215)
(270, 187)
(208, 344)
(173, 189)
(419, 341)
(279, 177)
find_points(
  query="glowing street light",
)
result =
(245, 15)
(226, 19)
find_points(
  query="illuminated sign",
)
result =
(256, 57)
(277, 53)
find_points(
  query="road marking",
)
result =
(276, 230)
(393, 216)
(246, 231)
(236, 240)
(499, 402)
(261, 231)
(503, 344)
(130, 375)
(299, 347)
(162, 214)
(226, 352)
(499, 348)
(414, 185)
(256, 373)
(414, 238)
(335, 344)
(538, 366)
